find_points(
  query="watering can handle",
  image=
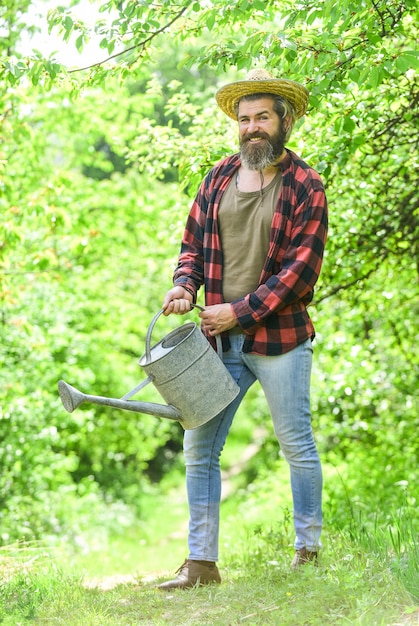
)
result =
(150, 330)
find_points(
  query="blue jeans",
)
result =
(285, 380)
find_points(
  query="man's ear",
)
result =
(287, 123)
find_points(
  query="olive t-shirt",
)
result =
(245, 219)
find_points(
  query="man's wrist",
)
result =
(188, 290)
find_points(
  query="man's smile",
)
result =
(255, 137)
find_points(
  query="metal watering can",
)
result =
(186, 371)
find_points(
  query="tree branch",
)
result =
(137, 45)
(339, 288)
(381, 17)
(386, 13)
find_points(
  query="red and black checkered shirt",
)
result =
(274, 316)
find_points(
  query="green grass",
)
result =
(348, 589)
(368, 575)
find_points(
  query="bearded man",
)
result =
(255, 238)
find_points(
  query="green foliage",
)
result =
(59, 227)
(92, 168)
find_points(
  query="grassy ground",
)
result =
(114, 584)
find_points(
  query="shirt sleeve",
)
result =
(190, 269)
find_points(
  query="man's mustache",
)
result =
(260, 135)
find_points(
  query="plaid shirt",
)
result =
(274, 316)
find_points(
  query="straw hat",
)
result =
(261, 81)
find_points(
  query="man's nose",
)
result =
(252, 126)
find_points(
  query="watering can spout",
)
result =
(73, 398)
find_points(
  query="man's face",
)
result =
(261, 133)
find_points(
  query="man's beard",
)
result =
(258, 156)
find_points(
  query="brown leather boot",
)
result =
(304, 556)
(192, 572)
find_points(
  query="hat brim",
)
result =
(228, 96)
